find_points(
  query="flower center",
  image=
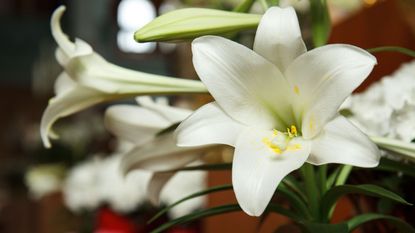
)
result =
(281, 141)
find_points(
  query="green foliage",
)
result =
(402, 226)
(330, 198)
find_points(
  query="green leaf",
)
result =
(190, 23)
(333, 177)
(330, 198)
(402, 226)
(313, 227)
(295, 201)
(320, 20)
(197, 194)
(283, 211)
(291, 183)
(198, 214)
(393, 49)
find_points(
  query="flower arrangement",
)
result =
(276, 104)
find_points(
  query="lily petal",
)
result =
(278, 37)
(208, 125)
(61, 38)
(341, 142)
(133, 123)
(171, 114)
(69, 102)
(323, 78)
(257, 170)
(160, 154)
(156, 184)
(63, 84)
(245, 85)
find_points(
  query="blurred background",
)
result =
(31, 177)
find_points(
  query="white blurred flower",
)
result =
(156, 152)
(387, 108)
(123, 194)
(101, 181)
(181, 185)
(80, 188)
(44, 179)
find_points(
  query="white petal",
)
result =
(63, 105)
(61, 38)
(278, 37)
(341, 142)
(133, 123)
(208, 125)
(245, 85)
(257, 170)
(160, 154)
(156, 184)
(323, 78)
(172, 114)
(63, 84)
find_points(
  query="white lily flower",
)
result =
(141, 125)
(89, 79)
(277, 105)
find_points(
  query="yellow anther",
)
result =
(294, 130)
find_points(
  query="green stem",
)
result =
(264, 4)
(392, 49)
(311, 189)
(343, 175)
(322, 175)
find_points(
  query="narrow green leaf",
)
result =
(401, 225)
(330, 198)
(190, 23)
(312, 227)
(398, 49)
(295, 186)
(197, 215)
(283, 211)
(295, 201)
(333, 177)
(197, 194)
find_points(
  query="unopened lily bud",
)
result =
(190, 23)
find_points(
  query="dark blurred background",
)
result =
(28, 70)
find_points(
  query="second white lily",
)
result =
(277, 105)
(89, 79)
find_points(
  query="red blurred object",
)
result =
(110, 222)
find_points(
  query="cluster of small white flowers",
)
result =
(387, 108)
(101, 181)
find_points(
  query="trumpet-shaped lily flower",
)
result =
(89, 79)
(152, 151)
(277, 105)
